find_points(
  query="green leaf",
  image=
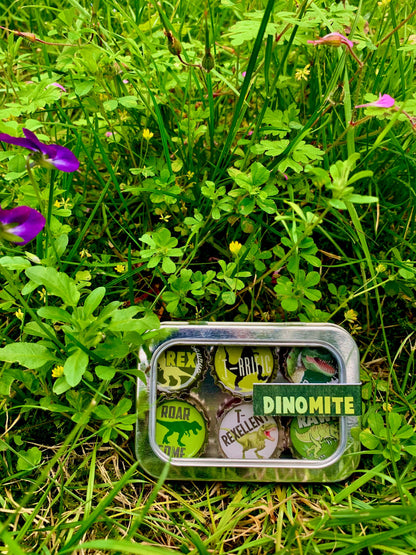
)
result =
(361, 199)
(123, 407)
(168, 265)
(410, 449)
(110, 105)
(103, 412)
(273, 148)
(313, 295)
(395, 421)
(313, 260)
(248, 28)
(14, 262)
(105, 372)
(55, 283)
(128, 101)
(122, 321)
(7, 377)
(28, 459)
(60, 386)
(247, 206)
(30, 355)
(93, 300)
(34, 328)
(407, 273)
(259, 174)
(312, 279)
(54, 313)
(369, 440)
(376, 423)
(291, 305)
(75, 366)
(267, 205)
(112, 348)
(228, 297)
(83, 88)
(338, 204)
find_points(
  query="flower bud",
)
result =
(208, 62)
(174, 46)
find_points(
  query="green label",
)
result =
(307, 399)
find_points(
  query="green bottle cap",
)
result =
(238, 368)
(311, 365)
(314, 437)
(241, 435)
(179, 366)
(181, 428)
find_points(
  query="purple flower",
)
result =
(21, 224)
(333, 39)
(385, 101)
(46, 155)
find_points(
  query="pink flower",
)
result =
(58, 85)
(333, 39)
(385, 101)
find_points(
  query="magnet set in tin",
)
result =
(257, 402)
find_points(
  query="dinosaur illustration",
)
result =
(318, 434)
(255, 440)
(240, 370)
(315, 360)
(180, 427)
(171, 374)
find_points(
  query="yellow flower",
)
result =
(147, 134)
(120, 268)
(42, 294)
(66, 203)
(350, 315)
(235, 248)
(84, 254)
(302, 73)
(19, 314)
(58, 371)
(165, 217)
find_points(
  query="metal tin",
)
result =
(212, 463)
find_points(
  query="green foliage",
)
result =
(162, 247)
(390, 437)
(252, 189)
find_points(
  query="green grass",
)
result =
(177, 163)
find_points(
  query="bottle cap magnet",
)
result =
(314, 438)
(181, 429)
(179, 366)
(237, 368)
(311, 365)
(241, 435)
